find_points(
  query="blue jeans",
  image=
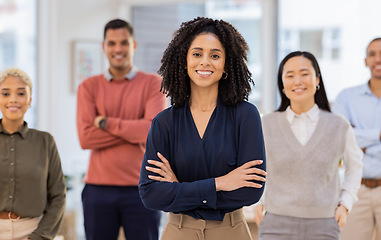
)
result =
(107, 208)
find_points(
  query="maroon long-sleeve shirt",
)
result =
(129, 105)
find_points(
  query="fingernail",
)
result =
(149, 161)
(260, 161)
(159, 154)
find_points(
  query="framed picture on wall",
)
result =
(87, 60)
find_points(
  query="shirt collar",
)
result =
(129, 76)
(365, 89)
(22, 132)
(312, 114)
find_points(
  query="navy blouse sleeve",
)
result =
(171, 197)
(250, 145)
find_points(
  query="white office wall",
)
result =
(61, 22)
(357, 22)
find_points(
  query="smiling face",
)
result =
(373, 59)
(205, 61)
(119, 47)
(300, 81)
(15, 98)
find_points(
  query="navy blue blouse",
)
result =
(233, 137)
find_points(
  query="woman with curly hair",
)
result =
(205, 155)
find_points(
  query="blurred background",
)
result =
(58, 43)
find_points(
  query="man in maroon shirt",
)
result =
(114, 114)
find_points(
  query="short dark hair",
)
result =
(320, 96)
(176, 82)
(118, 23)
(375, 39)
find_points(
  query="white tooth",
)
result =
(204, 73)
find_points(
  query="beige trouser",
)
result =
(184, 227)
(17, 229)
(365, 216)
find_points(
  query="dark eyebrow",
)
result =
(371, 52)
(7, 89)
(216, 50)
(301, 70)
(197, 48)
(289, 72)
(213, 50)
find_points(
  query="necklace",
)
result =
(208, 110)
(202, 109)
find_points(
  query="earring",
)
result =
(317, 87)
(226, 75)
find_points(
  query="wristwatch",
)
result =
(102, 123)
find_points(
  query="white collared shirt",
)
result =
(304, 125)
(130, 75)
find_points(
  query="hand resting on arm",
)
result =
(242, 176)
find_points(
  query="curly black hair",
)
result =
(176, 82)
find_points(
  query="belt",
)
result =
(371, 183)
(9, 215)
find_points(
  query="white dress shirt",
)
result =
(363, 110)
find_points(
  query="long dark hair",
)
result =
(320, 96)
(176, 82)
